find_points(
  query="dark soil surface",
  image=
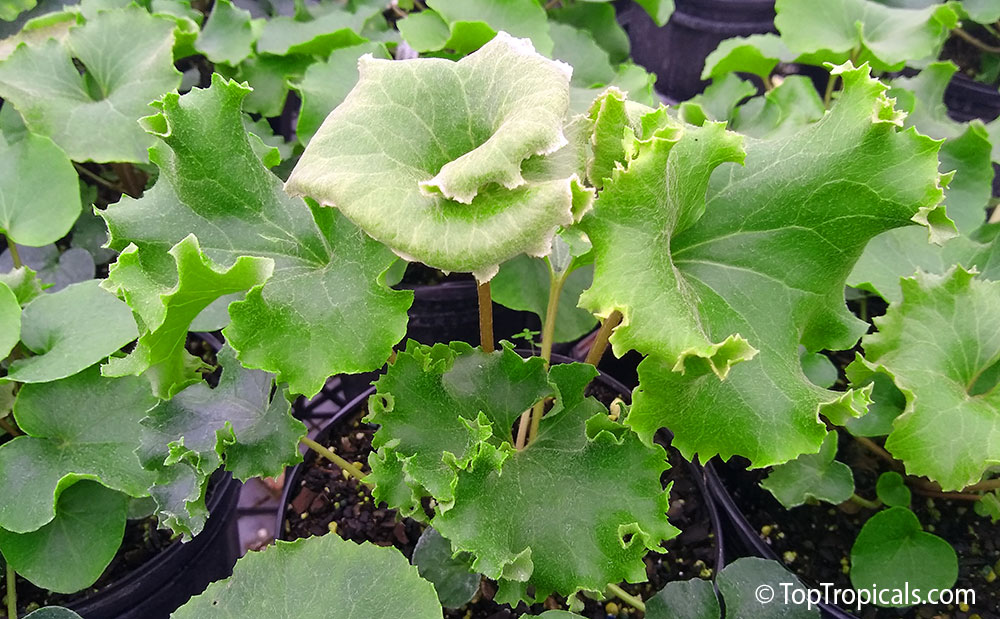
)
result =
(327, 501)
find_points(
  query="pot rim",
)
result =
(718, 493)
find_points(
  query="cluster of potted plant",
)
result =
(714, 239)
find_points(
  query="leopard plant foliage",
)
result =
(749, 263)
(459, 165)
(445, 415)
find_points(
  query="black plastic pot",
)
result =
(745, 534)
(449, 312)
(294, 475)
(967, 99)
(676, 52)
(181, 571)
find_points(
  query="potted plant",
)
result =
(452, 184)
(744, 243)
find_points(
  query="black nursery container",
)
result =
(745, 535)
(676, 52)
(448, 312)
(178, 573)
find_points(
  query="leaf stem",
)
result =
(15, 258)
(828, 95)
(11, 592)
(768, 83)
(551, 312)
(346, 466)
(548, 335)
(9, 428)
(485, 317)
(627, 597)
(983, 486)
(962, 34)
(863, 502)
(97, 178)
(955, 496)
(601, 341)
(873, 447)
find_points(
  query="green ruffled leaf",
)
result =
(82, 427)
(325, 84)
(238, 422)
(10, 320)
(39, 191)
(292, 325)
(451, 577)
(452, 191)
(71, 551)
(228, 36)
(812, 477)
(360, 581)
(941, 347)
(757, 54)
(446, 413)
(893, 552)
(892, 490)
(447, 400)
(635, 216)
(70, 330)
(123, 75)
(886, 37)
(758, 265)
(168, 307)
